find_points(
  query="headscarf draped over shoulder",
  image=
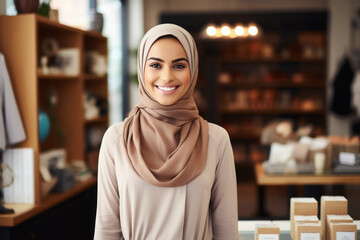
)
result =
(166, 145)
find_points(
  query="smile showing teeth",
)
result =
(166, 88)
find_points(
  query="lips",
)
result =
(167, 89)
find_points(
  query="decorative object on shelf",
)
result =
(44, 69)
(53, 100)
(54, 158)
(225, 31)
(69, 59)
(21, 161)
(96, 21)
(94, 136)
(6, 180)
(50, 46)
(44, 125)
(91, 110)
(81, 171)
(44, 9)
(54, 15)
(95, 63)
(26, 6)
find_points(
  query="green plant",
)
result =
(44, 9)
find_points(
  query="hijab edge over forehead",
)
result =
(186, 41)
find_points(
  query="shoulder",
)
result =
(114, 132)
(217, 132)
(218, 136)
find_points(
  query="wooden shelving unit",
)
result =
(250, 82)
(22, 48)
(24, 212)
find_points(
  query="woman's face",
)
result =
(167, 72)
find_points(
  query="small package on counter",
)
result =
(302, 206)
(340, 231)
(334, 205)
(302, 219)
(268, 231)
(337, 219)
(307, 231)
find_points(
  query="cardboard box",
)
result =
(302, 219)
(267, 231)
(334, 205)
(340, 231)
(304, 207)
(307, 231)
(337, 219)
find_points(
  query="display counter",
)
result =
(263, 178)
(246, 229)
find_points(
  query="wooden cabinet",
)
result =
(59, 94)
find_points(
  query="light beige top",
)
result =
(130, 208)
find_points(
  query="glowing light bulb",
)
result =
(225, 30)
(239, 30)
(253, 30)
(211, 31)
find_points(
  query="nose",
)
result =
(167, 74)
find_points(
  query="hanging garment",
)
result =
(356, 93)
(11, 127)
(341, 101)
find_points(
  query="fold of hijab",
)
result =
(166, 145)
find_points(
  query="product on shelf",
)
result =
(332, 205)
(304, 207)
(300, 229)
(337, 219)
(307, 231)
(341, 231)
(269, 231)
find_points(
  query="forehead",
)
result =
(167, 48)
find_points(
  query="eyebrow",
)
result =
(173, 61)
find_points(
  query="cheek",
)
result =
(185, 77)
(149, 77)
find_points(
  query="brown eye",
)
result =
(179, 66)
(155, 65)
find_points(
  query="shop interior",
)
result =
(282, 77)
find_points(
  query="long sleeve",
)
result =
(107, 225)
(224, 196)
(11, 127)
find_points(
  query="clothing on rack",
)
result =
(342, 95)
(356, 93)
(11, 127)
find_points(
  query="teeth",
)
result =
(166, 88)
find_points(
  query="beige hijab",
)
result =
(166, 145)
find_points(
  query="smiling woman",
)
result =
(167, 72)
(165, 172)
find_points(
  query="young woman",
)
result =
(165, 173)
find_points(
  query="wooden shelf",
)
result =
(273, 112)
(275, 84)
(92, 77)
(262, 178)
(57, 77)
(24, 212)
(257, 60)
(46, 23)
(101, 119)
(246, 136)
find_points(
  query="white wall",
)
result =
(2, 7)
(136, 31)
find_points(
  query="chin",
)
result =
(166, 102)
